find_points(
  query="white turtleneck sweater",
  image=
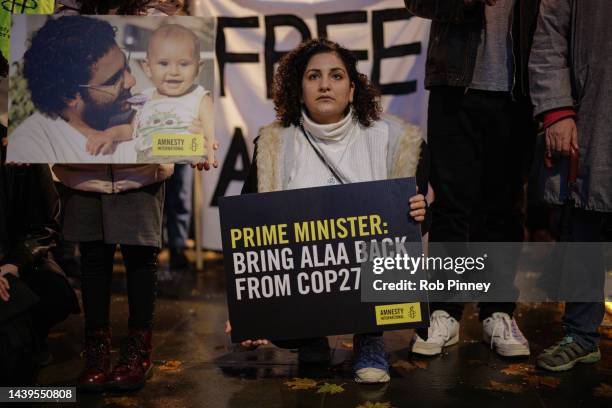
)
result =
(355, 152)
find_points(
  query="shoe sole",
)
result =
(509, 351)
(424, 350)
(517, 351)
(131, 387)
(383, 379)
(588, 359)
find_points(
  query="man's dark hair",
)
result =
(287, 87)
(130, 7)
(60, 58)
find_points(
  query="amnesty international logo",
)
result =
(398, 313)
(19, 6)
(177, 144)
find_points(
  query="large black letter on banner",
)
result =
(379, 17)
(345, 17)
(229, 173)
(272, 56)
(224, 57)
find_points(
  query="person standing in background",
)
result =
(571, 74)
(479, 126)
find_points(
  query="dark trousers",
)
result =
(582, 319)
(477, 142)
(97, 260)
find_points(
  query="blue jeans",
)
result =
(581, 319)
(179, 193)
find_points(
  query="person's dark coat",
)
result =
(29, 225)
(455, 36)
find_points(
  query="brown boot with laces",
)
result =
(95, 375)
(134, 365)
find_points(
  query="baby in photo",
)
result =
(175, 105)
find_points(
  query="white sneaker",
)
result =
(443, 331)
(504, 335)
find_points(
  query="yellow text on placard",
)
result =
(176, 144)
(398, 313)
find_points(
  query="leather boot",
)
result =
(95, 375)
(134, 365)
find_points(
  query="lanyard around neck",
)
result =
(320, 155)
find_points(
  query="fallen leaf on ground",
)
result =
(410, 365)
(301, 384)
(498, 386)
(604, 390)
(328, 388)
(170, 366)
(347, 345)
(403, 364)
(518, 369)
(421, 364)
(122, 401)
(169, 402)
(536, 381)
(369, 404)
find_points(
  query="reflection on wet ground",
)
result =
(195, 367)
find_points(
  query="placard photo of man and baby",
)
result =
(142, 96)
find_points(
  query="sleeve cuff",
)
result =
(553, 116)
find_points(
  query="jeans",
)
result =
(582, 319)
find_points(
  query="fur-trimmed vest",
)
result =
(274, 154)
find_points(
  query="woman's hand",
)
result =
(248, 344)
(9, 268)
(196, 127)
(418, 207)
(4, 284)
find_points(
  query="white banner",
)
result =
(253, 34)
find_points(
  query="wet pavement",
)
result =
(194, 365)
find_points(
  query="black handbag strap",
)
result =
(320, 155)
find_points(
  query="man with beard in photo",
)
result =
(78, 80)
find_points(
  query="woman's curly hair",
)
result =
(287, 86)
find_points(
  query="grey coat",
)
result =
(571, 65)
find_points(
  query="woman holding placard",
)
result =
(329, 122)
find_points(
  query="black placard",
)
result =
(268, 238)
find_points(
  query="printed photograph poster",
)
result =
(157, 107)
(293, 259)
